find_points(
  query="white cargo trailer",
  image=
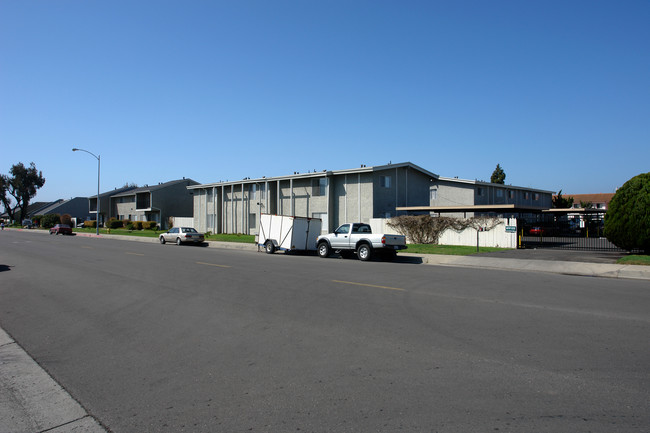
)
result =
(288, 233)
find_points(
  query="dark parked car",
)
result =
(61, 229)
(537, 231)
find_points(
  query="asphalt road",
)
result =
(152, 338)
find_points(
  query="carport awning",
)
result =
(499, 208)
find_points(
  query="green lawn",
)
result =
(125, 232)
(156, 233)
(220, 237)
(634, 260)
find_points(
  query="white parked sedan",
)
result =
(182, 235)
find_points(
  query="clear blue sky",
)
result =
(557, 92)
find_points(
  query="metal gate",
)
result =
(568, 243)
(567, 231)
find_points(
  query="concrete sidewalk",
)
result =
(557, 267)
(31, 401)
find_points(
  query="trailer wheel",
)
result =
(323, 250)
(269, 247)
(364, 252)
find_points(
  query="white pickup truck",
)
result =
(358, 237)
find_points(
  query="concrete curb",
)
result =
(32, 401)
(557, 267)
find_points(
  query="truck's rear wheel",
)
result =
(269, 247)
(323, 249)
(364, 252)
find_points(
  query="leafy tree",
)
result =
(627, 222)
(498, 176)
(21, 187)
(560, 202)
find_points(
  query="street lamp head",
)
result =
(74, 149)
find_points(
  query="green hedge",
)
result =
(114, 223)
(90, 224)
(49, 221)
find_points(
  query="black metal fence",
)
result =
(568, 231)
(568, 243)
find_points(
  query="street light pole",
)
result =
(98, 167)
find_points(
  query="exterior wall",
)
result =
(408, 187)
(164, 202)
(497, 237)
(352, 199)
(124, 206)
(452, 194)
(172, 201)
(455, 193)
(76, 208)
(183, 222)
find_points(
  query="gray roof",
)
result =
(149, 188)
(362, 169)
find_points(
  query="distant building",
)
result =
(148, 203)
(598, 201)
(75, 207)
(154, 202)
(450, 195)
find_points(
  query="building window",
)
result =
(526, 195)
(433, 194)
(536, 196)
(319, 187)
(252, 221)
(479, 191)
(511, 194)
(384, 181)
(499, 193)
(253, 192)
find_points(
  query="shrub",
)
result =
(114, 223)
(130, 226)
(90, 224)
(37, 219)
(137, 225)
(66, 219)
(50, 220)
(627, 222)
(425, 229)
(420, 229)
(149, 225)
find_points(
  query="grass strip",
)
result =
(634, 260)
